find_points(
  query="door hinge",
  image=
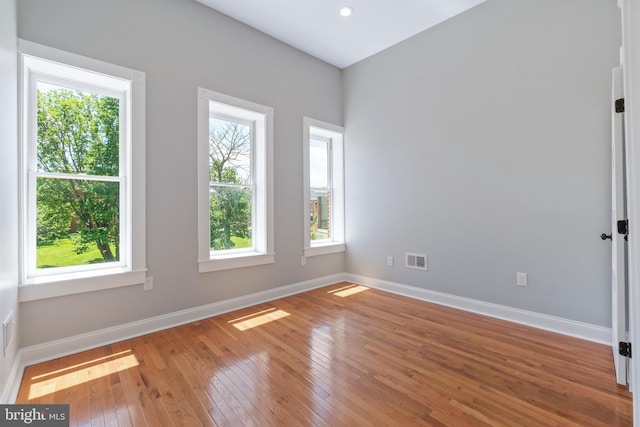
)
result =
(623, 226)
(624, 349)
(619, 105)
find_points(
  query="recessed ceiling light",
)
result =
(346, 11)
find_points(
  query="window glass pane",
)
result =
(77, 222)
(230, 217)
(78, 132)
(320, 211)
(319, 163)
(229, 151)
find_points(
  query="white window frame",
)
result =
(41, 63)
(334, 135)
(217, 105)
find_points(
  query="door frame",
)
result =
(631, 76)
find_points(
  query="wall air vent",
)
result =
(417, 261)
(8, 327)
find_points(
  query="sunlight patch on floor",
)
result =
(257, 319)
(348, 290)
(81, 373)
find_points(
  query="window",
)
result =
(235, 207)
(323, 188)
(82, 198)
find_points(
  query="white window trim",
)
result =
(335, 134)
(36, 58)
(262, 117)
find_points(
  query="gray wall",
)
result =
(181, 45)
(484, 143)
(8, 181)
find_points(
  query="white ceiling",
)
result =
(316, 27)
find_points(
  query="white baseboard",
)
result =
(10, 391)
(58, 348)
(585, 331)
(75, 344)
(62, 347)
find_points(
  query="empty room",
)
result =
(328, 213)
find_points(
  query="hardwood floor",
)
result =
(340, 355)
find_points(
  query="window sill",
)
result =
(228, 262)
(324, 249)
(75, 283)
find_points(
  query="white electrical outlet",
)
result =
(303, 260)
(148, 284)
(389, 261)
(522, 279)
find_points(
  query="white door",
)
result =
(618, 247)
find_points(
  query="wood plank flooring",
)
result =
(342, 355)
